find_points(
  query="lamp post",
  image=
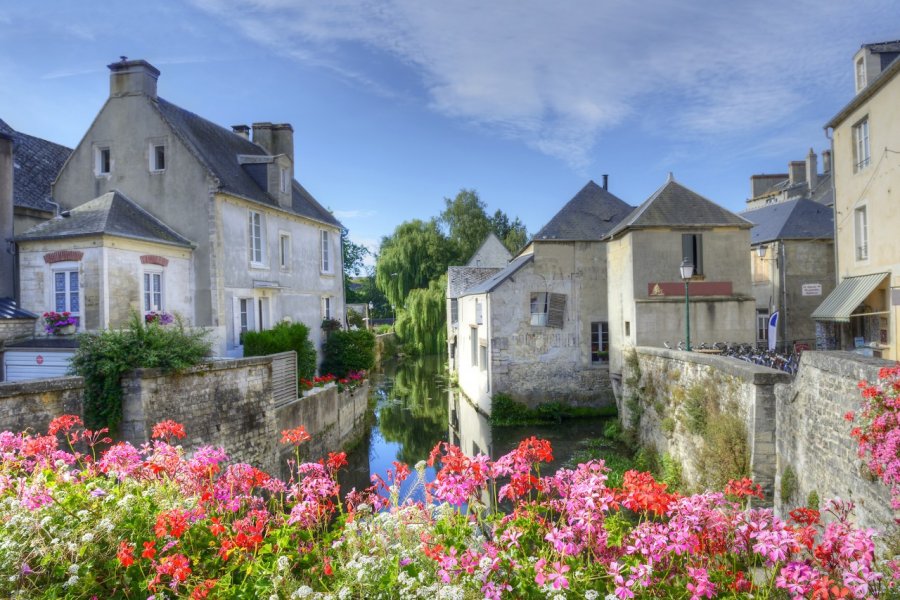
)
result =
(687, 271)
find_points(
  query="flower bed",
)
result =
(137, 522)
(352, 381)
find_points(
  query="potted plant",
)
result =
(60, 323)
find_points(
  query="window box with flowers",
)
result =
(60, 323)
(158, 318)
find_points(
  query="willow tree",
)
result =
(414, 255)
(422, 323)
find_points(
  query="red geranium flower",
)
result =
(166, 429)
(125, 554)
(295, 436)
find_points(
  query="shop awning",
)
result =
(846, 297)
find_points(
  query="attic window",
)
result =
(157, 157)
(860, 74)
(102, 160)
(285, 181)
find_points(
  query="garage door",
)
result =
(35, 364)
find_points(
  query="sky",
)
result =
(399, 104)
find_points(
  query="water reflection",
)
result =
(416, 408)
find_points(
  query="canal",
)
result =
(416, 407)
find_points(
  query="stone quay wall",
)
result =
(659, 387)
(816, 455)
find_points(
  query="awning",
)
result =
(846, 297)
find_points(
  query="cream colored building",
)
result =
(862, 311)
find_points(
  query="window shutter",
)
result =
(236, 321)
(687, 247)
(556, 313)
(698, 269)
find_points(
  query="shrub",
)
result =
(283, 338)
(697, 406)
(354, 319)
(788, 485)
(380, 329)
(347, 351)
(613, 430)
(812, 500)
(724, 454)
(103, 358)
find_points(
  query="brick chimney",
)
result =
(812, 170)
(797, 171)
(826, 161)
(276, 138)
(7, 260)
(241, 130)
(132, 78)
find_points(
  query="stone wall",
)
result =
(33, 404)
(660, 386)
(11, 329)
(814, 442)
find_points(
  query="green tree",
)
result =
(415, 254)
(513, 233)
(467, 224)
(422, 323)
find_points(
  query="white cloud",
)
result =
(354, 213)
(558, 75)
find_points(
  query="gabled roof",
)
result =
(674, 205)
(112, 214)
(588, 216)
(218, 148)
(9, 310)
(488, 285)
(792, 220)
(36, 163)
(460, 279)
(887, 74)
(491, 253)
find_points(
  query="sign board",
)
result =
(811, 289)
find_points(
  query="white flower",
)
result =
(302, 592)
(73, 569)
(283, 562)
(71, 581)
(273, 597)
(591, 595)
(87, 538)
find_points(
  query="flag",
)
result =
(773, 330)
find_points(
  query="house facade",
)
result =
(802, 181)
(862, 311)
(647, 299)
(538, 329)
(245, 245)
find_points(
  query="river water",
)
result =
(415, 408)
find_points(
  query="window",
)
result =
(482, 351)
(762, 326)
(479, 313)
(539, 309)
(66, 291)
(102, 160)
(861, 154)
(257, 238)
(599, 341)
(157, 157)
(692, 249)
(284, 251)
(454, 311)
(473, 344)
(153, 294)
(285, 181)
(862, 233)
(627, 328)
(326, 307)
(245, 314)
(326, 253)
(860, 74)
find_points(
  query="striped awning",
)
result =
(846, 297)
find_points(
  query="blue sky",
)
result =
(398, 104)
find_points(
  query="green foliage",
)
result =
(282, 338)
(103, 358)
(513, 233)
(422, 324)
(347, 351)
(506, 412)
(670, 471)
(647, 459)
(788, 485)
(415, 254)
(724, 454)
(354, 319)
(613, 430)
(697, 405)
(382, 329)
(812, 500)
(467, 223)
(667, 425)
(610, 450)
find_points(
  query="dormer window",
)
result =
(860, 73)
(102, 160)
(285, 180)
(157, 157)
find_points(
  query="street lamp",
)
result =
(687, 271)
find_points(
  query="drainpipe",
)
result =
(783, 294)
(834, 244)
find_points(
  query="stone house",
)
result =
(165, 210)
(490, 257)
(645, 251)
(538, 329)
(862, 311)
(792, 266)
(801, 181)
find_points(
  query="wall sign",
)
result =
(811, 289)
(39, 359)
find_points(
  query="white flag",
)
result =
(773, 330)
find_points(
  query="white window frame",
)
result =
(257, 243)
(473, 345)
(98, 160)
(862, 151)
(762, 326)
(284, 250)
(326, 264)
(67, 268)
(539, 315)
(285, 180)
(860, 73)
(154, 163)
(151, 274)
(861, 233)
(327, 308)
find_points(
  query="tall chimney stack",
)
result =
(241, 130)
(7, 260)
(826, 161)
(605, 181)
(132, 78)
(796, 171)
(812, 170)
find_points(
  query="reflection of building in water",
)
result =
(468, 429)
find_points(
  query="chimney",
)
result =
(796, 171)
(812, 170)
(283, 140)
(826, 161)
(242, 130)
(262, 135)
(605, 181)
(7, 260)
(132, 78)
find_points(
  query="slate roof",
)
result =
(460, 279)
(674, 205)
(792, 220)
(217, 148)
(113, 214)
(36, 163)
(888, 72)
(488, 285)
(9, 310)
(589, 215)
